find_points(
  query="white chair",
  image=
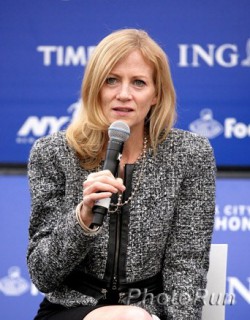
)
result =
(216, 283)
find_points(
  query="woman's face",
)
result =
(129, 92)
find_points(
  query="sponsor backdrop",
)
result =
(44, 47)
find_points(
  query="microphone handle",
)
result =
(112, 160)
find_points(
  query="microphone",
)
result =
(118, 133)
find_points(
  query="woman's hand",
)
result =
(99, 185)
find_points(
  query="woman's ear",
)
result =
(154, 101)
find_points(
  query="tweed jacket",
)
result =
(167, 228)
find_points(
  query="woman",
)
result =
(150, 256)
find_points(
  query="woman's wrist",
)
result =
(82, 223)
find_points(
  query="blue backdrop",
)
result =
(45, 45)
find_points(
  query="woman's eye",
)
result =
(111, 80)
(139, 83)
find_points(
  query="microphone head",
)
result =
(119, 130)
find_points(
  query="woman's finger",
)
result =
(89, 200)
(99, 187)
(116, 183)
(94, 175)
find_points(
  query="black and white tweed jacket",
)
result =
(167, 227)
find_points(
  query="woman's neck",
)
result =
(132, 148)
(132, 152)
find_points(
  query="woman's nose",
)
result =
(124, 92)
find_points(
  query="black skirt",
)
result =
(51, 311)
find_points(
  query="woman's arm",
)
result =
(57, 243)
(187, 254)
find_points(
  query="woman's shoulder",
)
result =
(187, 141)
(58, 137)
(186, 149)
(50, 146)
(190, 150)
(51, 142)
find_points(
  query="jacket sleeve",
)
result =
(56, 241)
(187, 254)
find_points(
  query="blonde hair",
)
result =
(87, 134)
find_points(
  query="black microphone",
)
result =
(118, 133)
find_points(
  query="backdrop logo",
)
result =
(207, 126)
(15, 285)
(235, 285)
(65, 56)
(226, 55)
(232, 217)
(35, 127)
(233, 128)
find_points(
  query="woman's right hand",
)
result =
(99, 185)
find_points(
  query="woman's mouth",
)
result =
(122, 110)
